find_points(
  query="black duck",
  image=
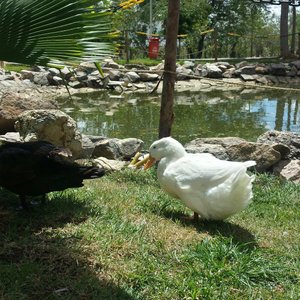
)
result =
(37, 168)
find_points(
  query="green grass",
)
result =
(121, 237)
(140, 61)
(16, 67)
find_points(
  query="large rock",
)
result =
(264, 155)
(88, 147)
(277, 69)
(148, 77)
(183, 73)
(132, 76)
(114, 74)
(53, 126)
(215, 146)
(136, 67)
(287, 143)
(40, 78)
(248, 70)
(87, 67)
(237, 149)
(109, 63)
(109, 165)
(113, 148)
(129, 147)
(13, 104)
(211, 71)
(288, 170)
(261, 69)
(107, 148)
(247, 77)
(296, 63)
(216, 150)
(225, 141)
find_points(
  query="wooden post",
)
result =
(167, 98)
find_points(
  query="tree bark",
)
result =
(284, 31)
(294, 21)
(200, 46)
(167, 98)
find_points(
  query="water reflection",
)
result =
(242, 113)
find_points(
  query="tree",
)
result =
(193, 21)
(284, 31)
(225, 17)
(293, 25)
(235, 23)
(167, 98)
(132, 23)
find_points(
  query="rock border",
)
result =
(133, 77)
(275, 152)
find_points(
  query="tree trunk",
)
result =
(126, 46)
(216, 46)
(294, 21)
(233, 49)
(284, 38)
(200, 46)
(167, 98)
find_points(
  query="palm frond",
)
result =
(46, 32)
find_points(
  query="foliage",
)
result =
(255, 31)
(131, 23)
(121, 237)
(231, 21)
(53, 32)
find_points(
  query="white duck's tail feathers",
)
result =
(249, 163)
(252, 178)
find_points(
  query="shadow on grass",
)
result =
(38, 262)
(60, 208)
(238, 234)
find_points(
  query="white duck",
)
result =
(213, 188)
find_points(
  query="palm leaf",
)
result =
(56, 32)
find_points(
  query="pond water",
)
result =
(244, 113)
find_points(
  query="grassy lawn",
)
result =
(140, 61)
(16, 67)
(121, 237)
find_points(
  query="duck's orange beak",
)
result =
(149, 163)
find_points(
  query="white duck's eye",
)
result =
(154, 147)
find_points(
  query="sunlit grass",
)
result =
(140, 61)
(122, 237)
(16, 67)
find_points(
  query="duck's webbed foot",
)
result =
(191, 218)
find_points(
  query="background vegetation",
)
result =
(210, 28)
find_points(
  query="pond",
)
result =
(243, 113)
